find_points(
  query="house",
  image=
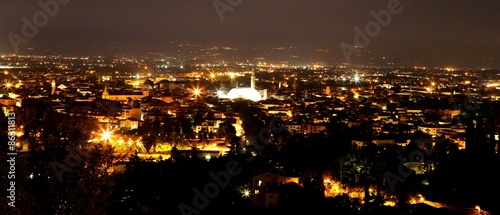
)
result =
(308, 128)
(384, 142)
(265, 188)
(129, 123)
(358, 143)
(293, 128)
(123, 96)
(206, 127)
(7, 101)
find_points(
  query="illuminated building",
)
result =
(249, 93)
(7, 101)
(123, 96)
(53, 87)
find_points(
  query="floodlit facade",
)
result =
(245, 93)
(249, 93)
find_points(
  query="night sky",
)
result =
(460, 33)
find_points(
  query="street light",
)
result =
(106, 135)
(357, 79)
(7, 85)
(232, 76)
(246, 193)
(196, 92)
(478, 209)
(220, 93)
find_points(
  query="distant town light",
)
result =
(357, 78)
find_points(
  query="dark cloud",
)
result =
(427, 32)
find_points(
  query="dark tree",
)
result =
(62, 168)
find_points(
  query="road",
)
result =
(467, 211)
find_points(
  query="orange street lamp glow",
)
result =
(106, 135)
(197, 92)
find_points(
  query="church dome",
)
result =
(245, 93)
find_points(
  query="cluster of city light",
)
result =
(336, 188)
(117, 142)
(214, 147)
(496, 84)
(417, 199)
